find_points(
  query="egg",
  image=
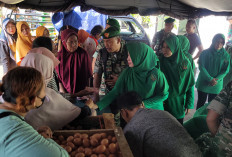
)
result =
(112, 155)
(93, 155)
(107, 152)
(117, 146)
(103, 135)
(109, 138)
(81, 149)
(100, 149)
(112, 148)
(105, 142)
(94, 142)
(64, 142)
(80, 155)
(70, 139)
(114, 140)
(86, 142)
(73, 154)
(77, 135)
(61, 138)
(101, 155)
(88, 151)
(83, 136)
(70, 144)
(77, 141)
(97, 136)
(68, 149)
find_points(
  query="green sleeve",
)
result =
(108, 99)
(204, 72)
(189, 104)
(161, 90)
(112, 95)
(225, 71)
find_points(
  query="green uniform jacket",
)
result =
(180, 77)
(212, 64)
(143, 78)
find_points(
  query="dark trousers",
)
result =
(181, 121)
(202, 96)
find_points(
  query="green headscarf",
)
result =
(213, 64)
(143, 78)
(177, 69)
(185, 45)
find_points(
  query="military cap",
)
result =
(110, 33)
(113, 23)
(169, 20)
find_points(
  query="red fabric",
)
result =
(74, 69)
(94, 40)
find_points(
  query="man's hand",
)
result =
(187, 111)
(45, 131)
(112, 82)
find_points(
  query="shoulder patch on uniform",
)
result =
(153, 78)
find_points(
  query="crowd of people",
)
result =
(149, 89)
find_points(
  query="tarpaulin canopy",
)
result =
(176, 8)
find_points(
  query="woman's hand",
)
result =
(91, 104)
(86, 91)
(45, 131)
(213, 82)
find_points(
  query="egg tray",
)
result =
(117, 132)
(104, 121)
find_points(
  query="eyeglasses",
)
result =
(42, 100)
(72, 42)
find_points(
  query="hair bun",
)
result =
(22, 102)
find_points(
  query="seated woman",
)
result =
(214, 64)
(56, 111)
(178, 71)
(141, 76)
(75, 68)
(8, 44)
(23, 89)
(219, 141)
(42, 31)
(24, 41)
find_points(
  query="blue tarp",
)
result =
(80, 20)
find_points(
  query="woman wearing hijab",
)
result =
(42, 31)
(74, 69)
(24, 41)
(185, 45)
(8, 44)
(141, 76)
(179, 74)
(214, 64)
(56, 111)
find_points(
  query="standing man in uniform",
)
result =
(193, 38)
(111, 61)
(160, 36)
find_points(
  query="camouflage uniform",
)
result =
(108, 64)
(221, 144)
(158, 39)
